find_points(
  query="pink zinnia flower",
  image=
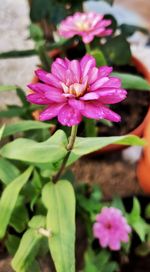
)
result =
(87, 25)
(76, 88)
(111, 228)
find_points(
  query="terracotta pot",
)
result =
(143, 167)
(138, 131)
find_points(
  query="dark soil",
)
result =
(114, 175)
(137, 264)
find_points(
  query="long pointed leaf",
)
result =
(133, 82)
(27, 251)
(24, 126)
(9, 198)
(8, 171)
(84, 146)
(59, 199)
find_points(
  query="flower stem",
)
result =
(69, 148)
(88, 48)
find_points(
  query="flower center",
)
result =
(108, 225)
(76, 89)
(82, 25)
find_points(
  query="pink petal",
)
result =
(87, 63)
(92, 75)
(68, 116)
(111, 96)
(93, 111)
(54, 95)
(43, 88)
(104, 239)
(37, 99)
(62, 62)
(58, 71)
(103, 23)
(97, 31)
(36, 87)
(107, 32)
(96, 20)
(51, 112)
(75, 68)
(113, 82)
(99, 83)
(69, 77)
(96, 230)
(110, 115)
(76, 104)
(48, 78)
(90, 96)
(87, 38)
(114, 244)
(124, 237)
(96, 110)
(104, 71)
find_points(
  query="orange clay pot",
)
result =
(143, 167)
(138, 131)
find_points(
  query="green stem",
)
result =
(69, 148)
(88, 48)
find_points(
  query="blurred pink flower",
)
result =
(76, 88)
(111, 228)
(87, 25)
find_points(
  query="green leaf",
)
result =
(147, 211)
(28, 150)
(12, 243)
(133, 82)
(13, 112)
(129, 30)
(4, 88)
(100, 262)
(9, 198)
(8, 171)
(136, 221)
(24, 126)
(34, 267)
(99, 56)
(19, 217)
(27, 251)
(87, 145)
(90, 127)
(118, 203)
(22, 96)
(2, 131)
(59, 200)
(37, 221)
(117, 50)
(36, 32)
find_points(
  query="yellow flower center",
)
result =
(82, 25)
(76, 89)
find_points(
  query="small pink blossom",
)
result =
(76, 88)
(87, 25)
(111, 228)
